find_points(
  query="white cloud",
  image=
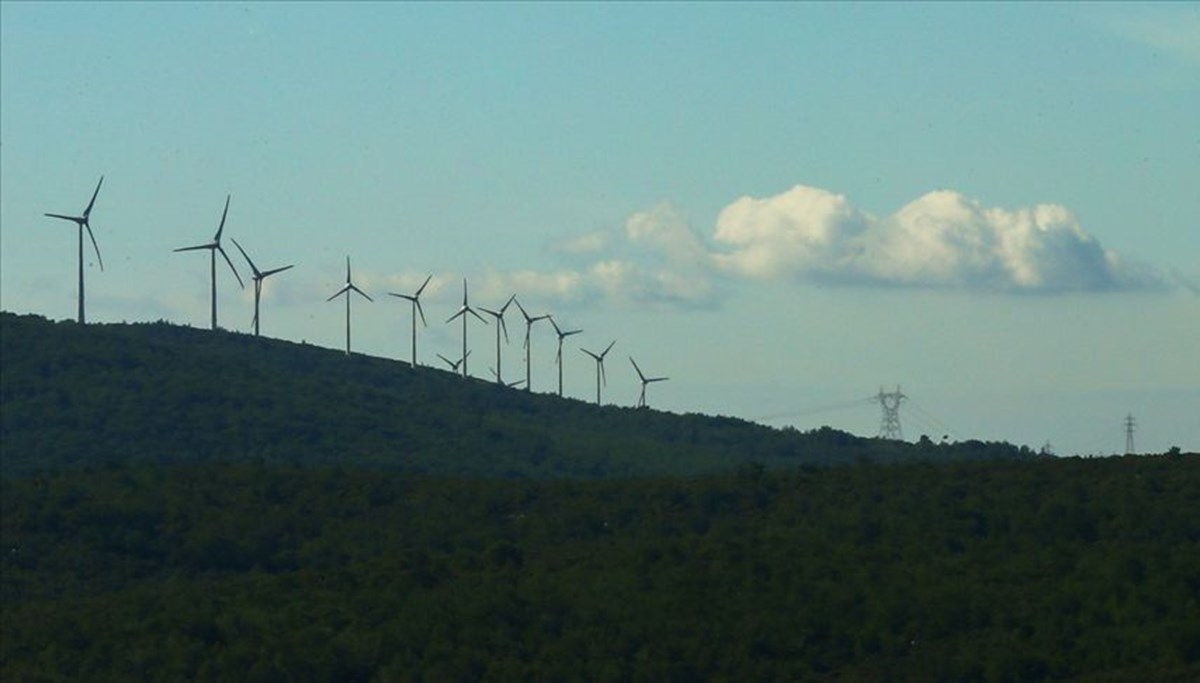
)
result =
(803, 229)
(589, 243)
(940, 240)
(943, 240)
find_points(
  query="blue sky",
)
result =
(780, 206)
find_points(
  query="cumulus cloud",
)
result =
(805, 229)
(942, 240)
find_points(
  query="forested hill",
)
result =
(157, 392)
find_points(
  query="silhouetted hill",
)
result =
(157, 392)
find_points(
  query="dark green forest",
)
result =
(977, 571)
(178, 504)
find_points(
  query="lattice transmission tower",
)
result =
(889, 402)
(1130, 425)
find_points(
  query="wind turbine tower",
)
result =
(1130, 425)
(347, 289)
(213, 247)
(558, 359)
(415, 298)
(599, 358)
(889, 402)
(529, 321)
(463, 311)
(259, 276)
(82, 223)
(500, 327)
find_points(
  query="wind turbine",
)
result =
(415, 298)
(500, 326)
(346, 289)
(82, 223)
(454, 363)
(462, 312)
(599, 358)
(259, 276)
(645, 380)
(529, 321)
(510, 385)
(213, 247)
(558, 357)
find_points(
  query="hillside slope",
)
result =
(157, 392)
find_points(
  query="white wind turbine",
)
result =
(599, 358)
(347, 289)
(415, 298)
(558, 358)
(258, 276)
(462, 312)
(82, 223)
(213, 247)
(645, 380)
(529, 321)
(500, 327)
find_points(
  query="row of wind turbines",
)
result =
(460, 365)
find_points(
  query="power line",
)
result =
(820, 409)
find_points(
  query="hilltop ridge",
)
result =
(159, 392)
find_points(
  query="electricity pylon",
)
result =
(889, 426)
(1130, 425)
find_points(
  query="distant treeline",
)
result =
(74, 394)
(971, 571)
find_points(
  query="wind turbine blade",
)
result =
(571, 332)
(94, 245)
(447, 361)
(504, 327)
(92, 203)
(253, 269)
(198, 247)
(591, 354)
(461, 311)
(224, 213)
(603, 375)
(507, 304)
(472, 312)
(421, 311)
(364, 294)
(235, 273)
(347, 270)
(639, 370)
(422, 287)
(73, 219)
(265, 273)
(400, 296)
(339, 292)
(555, 326)
(522, 309)
(607, 349)
(657, 379)
(494, 314)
